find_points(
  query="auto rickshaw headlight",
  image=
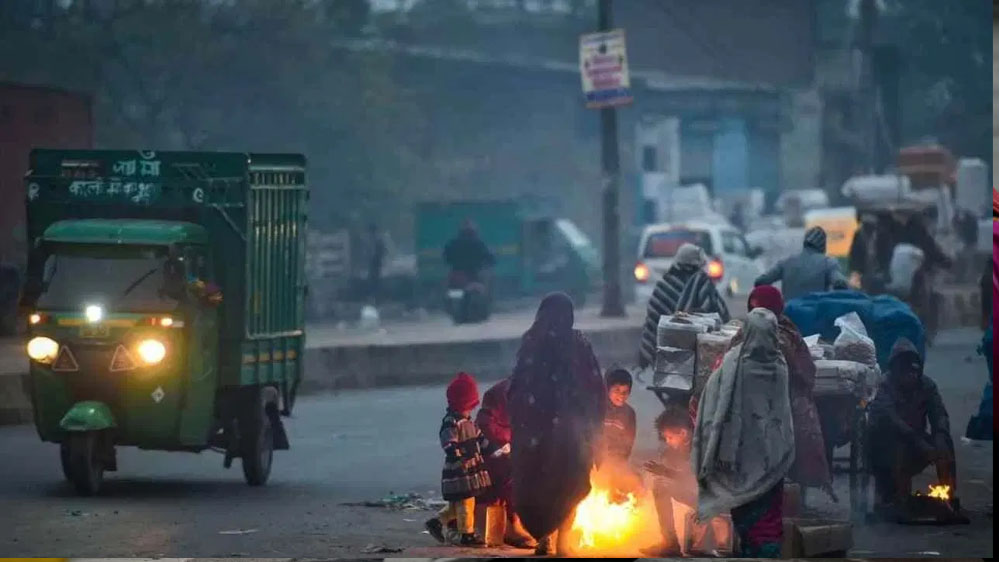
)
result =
(151, 351)
(42, 349)
(94, 313)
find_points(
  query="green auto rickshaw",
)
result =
(166, 304)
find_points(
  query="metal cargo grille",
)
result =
(275, 264)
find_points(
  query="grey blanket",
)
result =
(744, 440)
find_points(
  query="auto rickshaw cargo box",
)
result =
(166, 294)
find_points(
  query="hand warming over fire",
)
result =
(504, 450)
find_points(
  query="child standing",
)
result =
(619, 435)
(619, 419)
(464, 476)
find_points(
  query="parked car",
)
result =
(732, 263)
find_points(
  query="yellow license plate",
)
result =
(95, 332)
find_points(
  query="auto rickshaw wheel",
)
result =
(81, 462)
(67, 469)
(257, 438)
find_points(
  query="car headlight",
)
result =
(151, 351)
(42, 349)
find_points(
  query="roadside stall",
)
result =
(850, 336)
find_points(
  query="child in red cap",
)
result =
(464, 476)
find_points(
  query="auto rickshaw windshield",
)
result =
(119, 279)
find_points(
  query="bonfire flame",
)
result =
(941, 492)
(612, 522)
(602, 522)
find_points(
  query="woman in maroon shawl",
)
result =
(810, 468)
(556, 403)
(494, 421)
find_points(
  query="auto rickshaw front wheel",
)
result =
(257, 436)
(82, 461)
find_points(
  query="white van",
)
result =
(732, 263)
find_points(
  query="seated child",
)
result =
(675, 482)
(464, 476)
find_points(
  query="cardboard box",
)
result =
(816, 538)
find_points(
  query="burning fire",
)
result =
(941, 492)
(609, 522)
(601, 522)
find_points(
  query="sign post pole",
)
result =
(606, 85)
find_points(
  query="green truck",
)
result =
(165, 294)
(536, 252)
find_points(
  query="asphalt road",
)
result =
(359, 446)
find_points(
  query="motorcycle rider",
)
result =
(466, 254)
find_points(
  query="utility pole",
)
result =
(612, 305)
(868, 88)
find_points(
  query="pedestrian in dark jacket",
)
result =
(494, 421)
(556, 400)
(685, 287)
(811, 271)
(464, 476)
(909, 429)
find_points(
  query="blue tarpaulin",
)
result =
(886, 319)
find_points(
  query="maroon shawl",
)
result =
(494, 421)
(556, 404)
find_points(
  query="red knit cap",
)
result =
(766, 296)
(463, 393)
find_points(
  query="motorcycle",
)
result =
(467, 300)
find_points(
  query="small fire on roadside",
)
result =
(937, 491)
(611, 522)
(940, 492)
(603, 522)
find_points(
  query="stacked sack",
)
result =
(853, 369)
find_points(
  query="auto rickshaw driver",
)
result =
(183, 283)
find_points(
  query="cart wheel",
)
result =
(257, 438)
(82, 465)
(859, 470)
(865, 467)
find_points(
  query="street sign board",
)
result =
(603, 66)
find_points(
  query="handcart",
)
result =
(842, 393)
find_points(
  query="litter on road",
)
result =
(409, 502)
(380, 549)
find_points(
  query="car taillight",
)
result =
(715, 269)
(642, 273)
